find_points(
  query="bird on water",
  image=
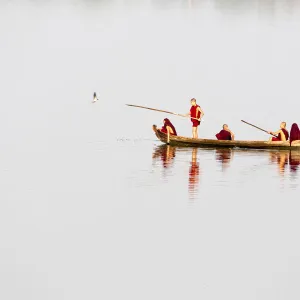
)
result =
(95, 99)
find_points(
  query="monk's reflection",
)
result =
(280, 158)
(166, 153)
(194, 172)
(294, 160)
(224, 156)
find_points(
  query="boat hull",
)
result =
(205, 143)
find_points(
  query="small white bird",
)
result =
(95, 98)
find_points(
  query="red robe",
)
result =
(295, 133)
(223, 135)
(278, 138)
(167, 122)
(195, 114)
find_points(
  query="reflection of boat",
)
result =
(186, 141)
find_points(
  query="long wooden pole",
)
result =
(165, 111)
(258, 128)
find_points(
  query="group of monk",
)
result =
(283, 135)
(196, 114)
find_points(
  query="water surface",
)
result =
(93, 206)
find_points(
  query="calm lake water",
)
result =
(93, 206)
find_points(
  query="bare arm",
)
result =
(232, 134)
(201, 111)
(275, 133)
(282, 135)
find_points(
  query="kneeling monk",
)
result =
(168, 128)
(282, 134)
(225, 134)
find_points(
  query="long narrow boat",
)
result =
(186, 141)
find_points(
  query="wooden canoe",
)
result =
(186, 141)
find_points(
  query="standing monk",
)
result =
(196, 114)
(282, 134)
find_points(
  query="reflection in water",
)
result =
(194, 175)
(286, 160)
(224, 156)
(166, 153)
(294, 161)
(281, 159)
(286, 157)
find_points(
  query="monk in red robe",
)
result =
(168, 128)
(225, 134)
(295, 134)
(196, 114)
(282, 134)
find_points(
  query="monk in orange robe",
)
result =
(225, 134)
(282, 134)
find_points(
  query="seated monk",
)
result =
(295, 134)
(168, 127)
(282, 134)
(225, 134)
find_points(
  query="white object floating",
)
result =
(95, 99)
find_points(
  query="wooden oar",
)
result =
(165, 111)
(258, 128)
